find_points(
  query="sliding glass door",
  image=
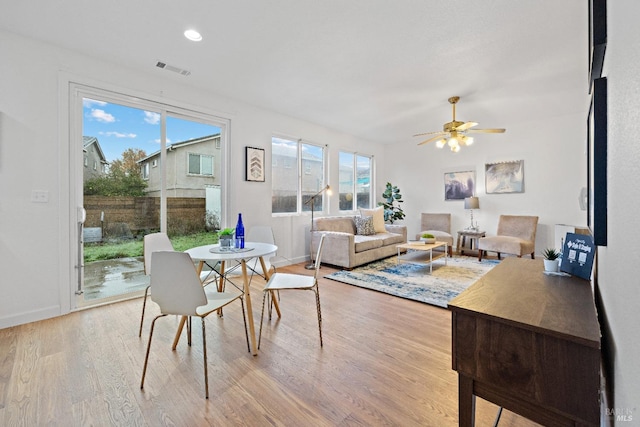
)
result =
(145, 167)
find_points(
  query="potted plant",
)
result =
(551, 259)
(428, 238)
(225, 236)
(391, 195)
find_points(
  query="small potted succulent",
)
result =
(551, 259)
(428, 238)
(225, 236)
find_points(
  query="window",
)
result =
(145, 170)
(200, 164)
(297, 173)
(95, 165)
(355, 181)
(86, 161)
(154, 163)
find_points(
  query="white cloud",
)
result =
(102, 116)
(119, 134)
(151, 118)
(86, 102)
(157, 141)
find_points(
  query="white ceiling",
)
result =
(378, 69)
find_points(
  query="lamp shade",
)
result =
(471, 203)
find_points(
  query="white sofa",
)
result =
(343, 247)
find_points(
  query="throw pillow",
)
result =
(364, 225)
(378, 218)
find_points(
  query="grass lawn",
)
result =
(133, 248)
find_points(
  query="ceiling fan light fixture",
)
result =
(455, 148)
(441, 143)
(453, 142)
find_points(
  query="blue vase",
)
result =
(239, 233)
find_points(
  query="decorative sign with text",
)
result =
(577, 255)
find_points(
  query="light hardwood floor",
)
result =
(386, 361)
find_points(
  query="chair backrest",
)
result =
(151, 243)
(318, 257)
(520, 226)
(175, 285)
(436, 221)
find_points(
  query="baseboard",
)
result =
(29, 316)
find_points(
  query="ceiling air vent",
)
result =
(175, 69)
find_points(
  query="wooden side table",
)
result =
(472, 235)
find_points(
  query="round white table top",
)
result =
(203, 253)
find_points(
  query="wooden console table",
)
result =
(530, 343)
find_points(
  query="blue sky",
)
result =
(118, 127)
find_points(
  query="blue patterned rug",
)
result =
(413, 281)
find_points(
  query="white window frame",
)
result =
(354, 180)
(286, 164)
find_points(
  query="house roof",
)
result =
(181, 144)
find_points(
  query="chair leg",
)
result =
(499, 255)
(533, 256)
(480, 255)
(264, 296)
(146, 358)
(204, 352)
(317, 292)
(144, 305)
(244, 319)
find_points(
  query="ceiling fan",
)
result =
(454, 133)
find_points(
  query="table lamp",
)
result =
(472, 203)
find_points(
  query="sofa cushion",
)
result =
(378, 218)
(364, 225)
(390, 238)
(342, 224)
(366, 243)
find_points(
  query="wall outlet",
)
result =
(40, 196)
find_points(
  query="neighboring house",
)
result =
(95, 163)
(192, 166)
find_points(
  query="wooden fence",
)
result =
(123, 216)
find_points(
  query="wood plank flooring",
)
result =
(386, 361)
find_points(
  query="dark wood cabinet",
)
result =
(529, 343)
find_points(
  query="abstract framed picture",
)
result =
(504, 177)
(254, 164)
(459, 185)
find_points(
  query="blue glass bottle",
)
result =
(239, 233)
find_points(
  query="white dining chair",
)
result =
(176, 288)
(151, 243)
(291, 281)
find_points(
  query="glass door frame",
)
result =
(78, 91)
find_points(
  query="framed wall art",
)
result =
(254, 164)
(459, 185)
(597, 163)
(504, 177)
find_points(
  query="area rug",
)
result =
(413, 281)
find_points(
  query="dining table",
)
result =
(227, 261)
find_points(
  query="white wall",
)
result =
(35, 238)
(554, 172)
(618, 278)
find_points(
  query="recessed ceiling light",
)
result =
(193, 35)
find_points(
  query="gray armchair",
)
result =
(516, 236)
(438, 224)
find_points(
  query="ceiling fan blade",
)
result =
(486, 131)
(435, 138)
(431, 133)
(466, 126)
